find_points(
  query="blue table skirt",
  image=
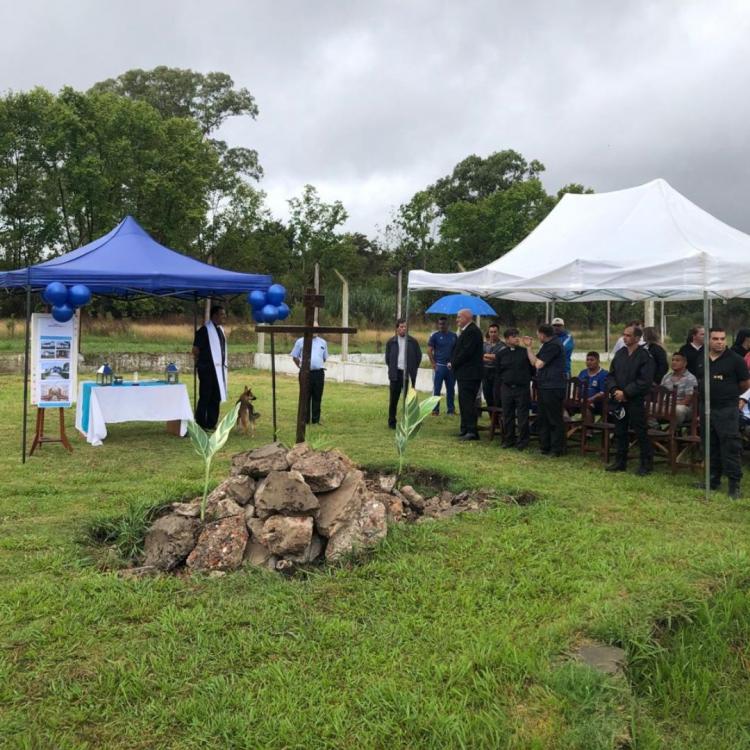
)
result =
(86, 395)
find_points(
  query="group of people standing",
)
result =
(501, 369)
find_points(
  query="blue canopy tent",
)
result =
(126, 262)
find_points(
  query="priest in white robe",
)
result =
(210, 355)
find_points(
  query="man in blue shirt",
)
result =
(594, 378)
(567, 341)
(439, 349)
(318, 356)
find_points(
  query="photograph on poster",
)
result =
(55, 371)
(58, 391)
(62, 350)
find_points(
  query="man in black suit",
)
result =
(403, 356)
(467, 364)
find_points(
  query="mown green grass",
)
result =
(451, 635)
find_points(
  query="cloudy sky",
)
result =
(371, 101)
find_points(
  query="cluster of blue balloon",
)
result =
(64, 301)
(268, 307)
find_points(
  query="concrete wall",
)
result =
(365, 373)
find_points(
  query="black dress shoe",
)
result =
(616, 467)
(460, 434)
(643, 470)
(469, 436)
(521, 447)
(734, 490)
(508, 445)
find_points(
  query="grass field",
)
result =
(453, 634)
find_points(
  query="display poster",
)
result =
(54, 360)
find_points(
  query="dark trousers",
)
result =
(467, 404)
(515, 401)
(317, 381)
(550, 420)
(209, 399)
(488, 389)
(726, 445)
(634, 419)
(397, 390)
(443, 374)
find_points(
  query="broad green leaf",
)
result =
(198, 438)
(216, 443)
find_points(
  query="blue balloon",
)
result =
(258, 315)
(63, 313)
(55, 293)
(284, 311)
(276, 294)
(79, 295)
(257, 299)
(270, 313)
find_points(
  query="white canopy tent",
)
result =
(640, 243)
(646, 242)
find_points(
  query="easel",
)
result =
(311, 301)
(40, 438)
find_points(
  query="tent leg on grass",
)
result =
(26, 373)
(273, 383)
(706, 421)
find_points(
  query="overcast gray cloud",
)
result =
(371, 101)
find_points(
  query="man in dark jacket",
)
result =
(728, 380)
(552, 382)
(514, 373)
(466, 363)
(630, 378)
(402, 353)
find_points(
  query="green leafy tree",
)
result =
(475, 178)
(313, 223)
(476, 233)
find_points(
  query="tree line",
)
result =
(74, 163)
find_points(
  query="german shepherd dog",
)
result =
(247, 415)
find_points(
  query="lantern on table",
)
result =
(172, 374)
(104, 375)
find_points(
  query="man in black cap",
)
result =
(728, 379)
(630, 378)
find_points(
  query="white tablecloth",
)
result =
(153, 403)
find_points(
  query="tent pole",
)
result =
(406, 354)
(273, 383)
(195, 364)
(662, 322)
(706, 421)
(27, 350)
(607, 326)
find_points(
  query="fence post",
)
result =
(344, 316)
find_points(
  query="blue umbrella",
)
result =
(452, 303)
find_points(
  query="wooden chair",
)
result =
(660, 408)
(688, 441)
(596, 435)
(573, 409)
(496, 419)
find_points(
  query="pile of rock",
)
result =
(278, 508)
(281, 508)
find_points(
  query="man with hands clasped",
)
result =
(630, 378)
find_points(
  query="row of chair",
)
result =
(677, 446)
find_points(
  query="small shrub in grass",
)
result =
(125, 532)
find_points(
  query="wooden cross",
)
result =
(311, 301)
